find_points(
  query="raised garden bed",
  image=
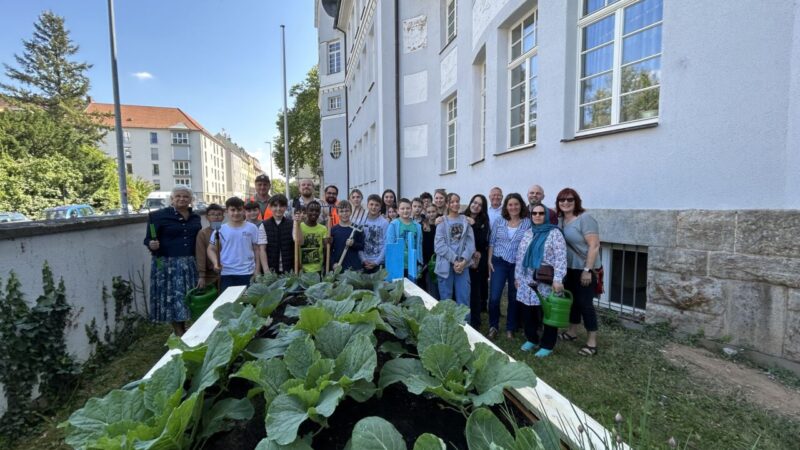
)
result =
(350, 361)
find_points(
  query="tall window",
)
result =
(153, 137)
(620, 62)
(452, 119)
(153, 153)
(155, 169)
(523, 73)
(126, 137)
(184, 181)
(180, 137)
(128, 153)
(129, 168)
(334, 102)
(334, 57)
(483, 111)
(157, 185)
(452, 20)
(180, 168)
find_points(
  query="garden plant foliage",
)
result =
(304, 370)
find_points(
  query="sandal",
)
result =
(567, 337)
(587, 351)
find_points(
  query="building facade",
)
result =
(678, 122)
(166, 146)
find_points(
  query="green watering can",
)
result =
(199, 299)
(556, 309)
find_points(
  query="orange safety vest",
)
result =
(332, 213)
(266, 213)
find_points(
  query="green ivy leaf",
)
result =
(427, 441)
(284, 417)
(220, 416)
(300, 355)
(312, 318)
(485, 431)
(375, 433)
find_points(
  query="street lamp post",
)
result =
(285, 113)
(123, 184)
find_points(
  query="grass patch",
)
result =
(115, 373)
(657, 399)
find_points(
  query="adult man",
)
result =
(262, 197)
(536, 197)
(306, 195)
(329, 205)
(495, 204)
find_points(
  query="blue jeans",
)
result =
(458, 281)
(503, 273)
(226, 281)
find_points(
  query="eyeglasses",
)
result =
(536, 213)
(568, 200)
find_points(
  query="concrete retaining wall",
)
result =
(730, 274)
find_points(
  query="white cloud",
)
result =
(143, 76)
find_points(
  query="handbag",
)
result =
(544, 274)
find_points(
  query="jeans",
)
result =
(226, 281)
(531, 317)
(459, 281)
(503, 273)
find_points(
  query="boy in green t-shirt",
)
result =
(311, 237)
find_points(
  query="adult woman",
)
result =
(439, 201)
(541, 245)
(171, 235)
(388, 199)
(359, 214)
(479, 267)
(503, 244)
(454, 245)
(582, 236)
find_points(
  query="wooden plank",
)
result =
(542, 400)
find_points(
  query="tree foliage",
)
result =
(304, 140)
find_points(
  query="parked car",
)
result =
(155, 201)
(118, 211)
(6, 217)
(68, 212)
(200, 207)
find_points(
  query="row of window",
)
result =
(178, 137)
(179, 168)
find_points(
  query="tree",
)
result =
(304, 141)
(48, 78)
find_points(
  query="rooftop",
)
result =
(135, 116)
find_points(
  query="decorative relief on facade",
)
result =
(415, 88)
(483, 11)
(415, 33)
(449, 72)
(415, 141)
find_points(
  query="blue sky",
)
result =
(219, 61)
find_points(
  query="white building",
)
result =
(167, 147)
(673, 119)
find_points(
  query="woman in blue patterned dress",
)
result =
(542, 244)
(171, 234)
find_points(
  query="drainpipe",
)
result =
(346, 107)
(397, 89)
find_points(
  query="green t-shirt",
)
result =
(312, 250)
(404, 230)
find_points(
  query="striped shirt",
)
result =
(504, 245)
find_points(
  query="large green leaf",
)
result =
(219, 354)
(319, 372)
(267, 303)
(333, 337)
(312, 318)
(409, 371)
(297, 444)
(361, 390)
(451, 309)
(375, 433)
(486, 432)
(441, 361)
(394, 315)
(527, 439)
(328, 400)
(547, 434)
(300, 355)
(337, 308)
(367, 303)
(228, 311)
(427, 441)
(493, 371)
(268, 374)
(182, 418)
(243, 327)
(443, 329)
(284, 417)
(165, 388)
(221, 416)
(358, 360)
(270, 348)
(372, 317)
(117, 407)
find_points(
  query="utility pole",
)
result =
(123, 183)
(285, 113)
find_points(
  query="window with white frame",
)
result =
(483, 111)
(153, 137)
(523, 74)
(452, 20)
(155, 169)
(180, 168)
(452, 126)
(180, 137)
(128, 153)
(126, 137)
(184, 181)
(334, 57)
(620, 62)
(153, 153)
(336, 149)
(334, 102)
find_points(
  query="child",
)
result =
(428, 237)
(312, 237)
(454, 246)
(416, 211)
(238, 240)
(400, 228)
(427, 200)
(391, 213)
(275, 241)
(374, 236)
(251, 213)
(205, 272)
(346, 237)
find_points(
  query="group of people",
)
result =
(504, 243)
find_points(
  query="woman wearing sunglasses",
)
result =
(582, 236)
